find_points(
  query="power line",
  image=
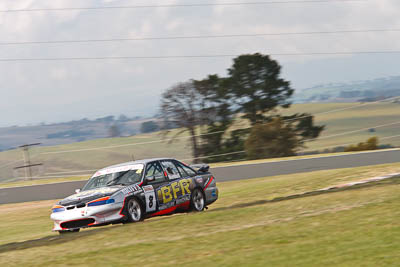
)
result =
(224, 154)
(195, 56)
(356, 131)
(204, 157)
(196, 37)
(118, 146)
(178, 5)
(389, 137)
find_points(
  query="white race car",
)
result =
(132, 191)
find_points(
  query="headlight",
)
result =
(58, 209)
(101, 201)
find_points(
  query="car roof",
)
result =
(142, 161)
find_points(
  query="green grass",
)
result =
(244, 227)
(337, 122)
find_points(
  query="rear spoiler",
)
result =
(200, 167)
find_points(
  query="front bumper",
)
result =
(86, 216)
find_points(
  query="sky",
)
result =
(54, 91)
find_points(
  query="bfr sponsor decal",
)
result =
(173, 191)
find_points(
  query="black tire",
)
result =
(197, 200)
(134, 210)
(63, 232)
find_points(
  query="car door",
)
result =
(152, 186)
(178, 182)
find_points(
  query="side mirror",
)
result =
(150, 179)
(201, 168)
(77, 191)
(204, 169)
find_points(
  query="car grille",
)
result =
(77, 223)
(82, 205)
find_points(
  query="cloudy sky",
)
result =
(53, 91)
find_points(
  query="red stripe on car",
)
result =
(163, 212)
(209, 182)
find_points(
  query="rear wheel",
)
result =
(63, 232)
(134, 210)
(197, 200)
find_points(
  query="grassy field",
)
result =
(366, 116)
(255, 222)
(337, 122)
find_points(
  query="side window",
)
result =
(154, 169)
(181, 170)
(171, 169)
(186, 169)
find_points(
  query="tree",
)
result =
(123, 118)
(304, 126)
(257, 88)
(149, 127)
(184, 106)
(371, 144)
(253, 89)
(271, 140)
(218, 115)
(281, 137)
(114, 131)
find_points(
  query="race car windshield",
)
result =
(116, 178)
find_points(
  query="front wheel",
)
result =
(134, 210)
(197, 200)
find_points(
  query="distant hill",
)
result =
(68, 132)
(364, 91)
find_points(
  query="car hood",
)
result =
(89, 195)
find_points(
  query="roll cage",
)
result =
(178, 165)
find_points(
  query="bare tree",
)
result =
(183, 106)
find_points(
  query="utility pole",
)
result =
(27, 161)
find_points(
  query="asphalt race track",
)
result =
(248, 171)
